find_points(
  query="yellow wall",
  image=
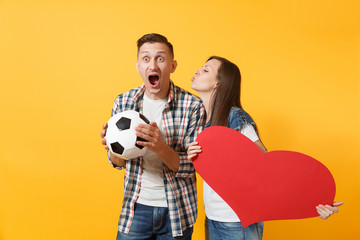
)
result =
(62, 63)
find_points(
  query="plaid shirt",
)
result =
(182, 118)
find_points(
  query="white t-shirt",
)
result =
(215, 207)
(152, 189)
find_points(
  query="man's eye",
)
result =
(146, 59)
(206, 70)
(161, 59)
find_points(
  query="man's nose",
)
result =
(153, 64)
(196, 72)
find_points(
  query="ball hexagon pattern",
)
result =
(120, 134)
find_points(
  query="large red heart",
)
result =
(262, 186)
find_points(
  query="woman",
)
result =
(218, 84)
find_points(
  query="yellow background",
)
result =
(62, 63)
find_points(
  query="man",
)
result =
(160, 200)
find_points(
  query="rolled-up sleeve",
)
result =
(197, 115)
(114, 166)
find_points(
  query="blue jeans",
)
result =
(151, 223)
(215, 230)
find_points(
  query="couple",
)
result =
(160, 199)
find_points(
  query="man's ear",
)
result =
(137, 66)
(173, 66)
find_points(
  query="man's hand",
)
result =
(102, 135)
(151, 133)
(114, 159)
(152, 136)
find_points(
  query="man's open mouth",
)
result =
(154, 79)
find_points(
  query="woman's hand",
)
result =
(327, 210)
(193, 150)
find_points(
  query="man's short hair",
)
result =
(155, 38)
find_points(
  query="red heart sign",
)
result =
(262, 186)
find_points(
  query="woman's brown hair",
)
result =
(227, 92)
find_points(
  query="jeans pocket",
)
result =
(231, 226)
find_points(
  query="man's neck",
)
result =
(157, 96)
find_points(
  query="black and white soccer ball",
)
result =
(120, 134)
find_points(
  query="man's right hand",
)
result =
(120, 162)
(102, 135)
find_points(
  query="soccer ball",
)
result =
(120, 134)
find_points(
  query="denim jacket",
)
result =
(238, 119)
